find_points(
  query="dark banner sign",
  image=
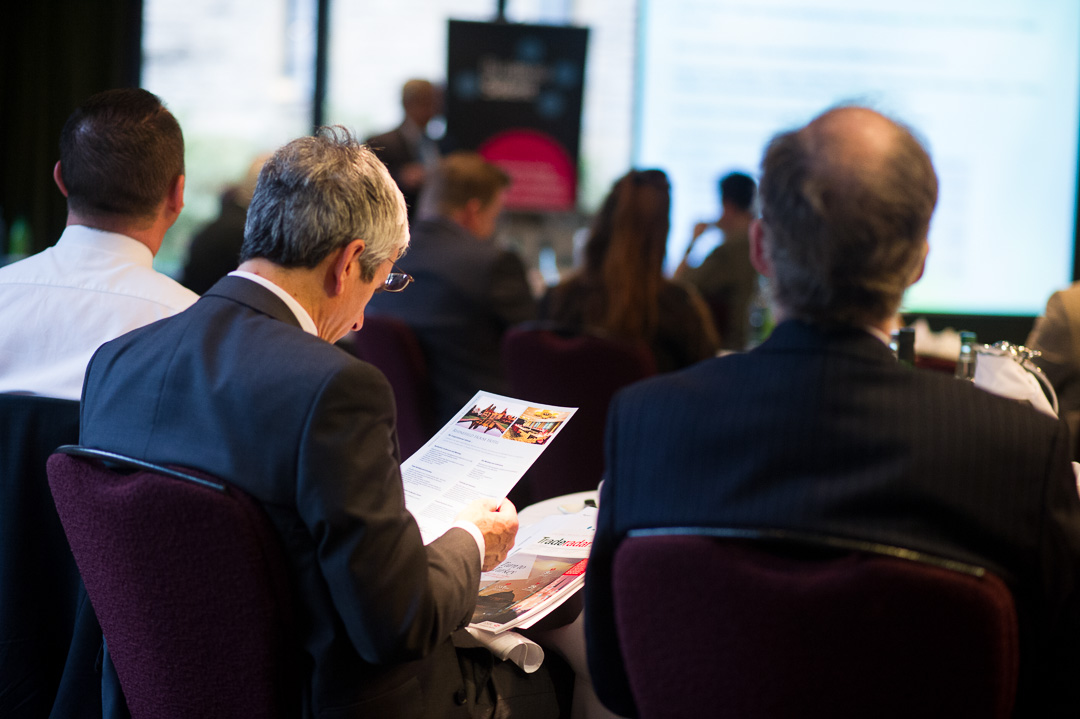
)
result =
(514, 95)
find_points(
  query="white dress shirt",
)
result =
(58, 306)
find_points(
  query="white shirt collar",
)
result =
(84, 236)
(879, 334)
(306, 323)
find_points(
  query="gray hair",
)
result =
(317, 194)
(846, 206)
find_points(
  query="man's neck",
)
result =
(297, 282)
(735, 223)
(150, 232)
(882, 329)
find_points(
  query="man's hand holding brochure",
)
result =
(465, 472)
(497, 521)
(545, 568)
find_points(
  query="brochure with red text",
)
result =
(543, 570)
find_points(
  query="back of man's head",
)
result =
(461, 177)
(738, 190)
(120, 153)
(317, 194)
(420, 100)
(846, 204)
(416, 90)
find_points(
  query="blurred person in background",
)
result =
(407, 151)
(215, 249)
(725, 278)
(621, 290)
(1057, 336)
(468, 289)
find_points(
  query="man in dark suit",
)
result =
(247, 386)
(820, 430)
(407, 151)
(468, 289)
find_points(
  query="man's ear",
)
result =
(469, 212)
(58, 178)
(760, 252)
(174, 202)
(345, 266)
(921, 267)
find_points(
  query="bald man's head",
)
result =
(846, 205)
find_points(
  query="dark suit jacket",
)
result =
(1057, 335)
(825, 432)
(235, 388)
(466, 294)
(49, 635)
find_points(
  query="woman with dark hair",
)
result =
(621, 291)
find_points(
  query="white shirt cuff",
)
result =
(475, 532)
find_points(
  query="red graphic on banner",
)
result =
(542, 175)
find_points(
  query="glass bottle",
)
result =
(965, 363)
(905, 346)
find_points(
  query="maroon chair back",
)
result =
(570, 370)
(795, 627)
(391, 345)
(188, 579)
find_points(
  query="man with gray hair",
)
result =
(247, 386)
(820, 430)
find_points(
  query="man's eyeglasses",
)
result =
(396, 281)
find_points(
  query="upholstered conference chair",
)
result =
(775, 624)
(188, 578)
(548, 365)
(391, 345)
(49, 636)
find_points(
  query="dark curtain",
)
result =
(53, 55)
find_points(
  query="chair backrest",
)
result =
(42, 600)
(391, 345)
(580, 370)
(779, 625)
(188, 578)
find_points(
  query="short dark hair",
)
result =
(460, 177)
(120, 152)
(739, 189)
(846, 219)
(318, 194)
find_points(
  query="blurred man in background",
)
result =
(407, 151)
(725, 278)
(468, 289)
